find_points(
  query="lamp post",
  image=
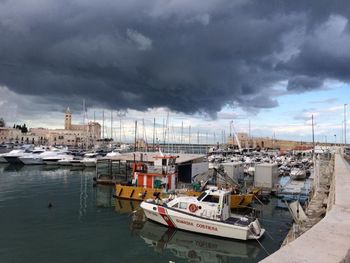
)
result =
(335, 140)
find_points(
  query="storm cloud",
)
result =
(188, 56)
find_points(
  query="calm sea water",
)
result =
(86, 224)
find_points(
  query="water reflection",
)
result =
(104, 196)
(126, 206)
(195, 247)
(13, 167)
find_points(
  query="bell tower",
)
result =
(68, 120)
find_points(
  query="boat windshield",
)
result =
(199, 198)
(211, 199)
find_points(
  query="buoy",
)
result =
(50, 205)
(193, 208)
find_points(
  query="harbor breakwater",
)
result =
(329, 239)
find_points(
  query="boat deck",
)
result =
(238, 221)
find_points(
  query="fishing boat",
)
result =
(209, 214)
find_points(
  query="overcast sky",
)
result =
(205, 63)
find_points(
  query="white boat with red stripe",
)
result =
(208, 214)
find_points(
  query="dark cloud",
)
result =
(189, 56)
(304, 83)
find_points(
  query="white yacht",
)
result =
(33, 157)
(66, 160)
(208, 214)
(90, 159)
(54, 155)
(13, 156)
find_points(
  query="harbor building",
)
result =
(247, 141)
(77, 135)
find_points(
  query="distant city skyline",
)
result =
(204, 63)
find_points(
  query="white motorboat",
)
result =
(297, 173)
(113, 154)
(13, 156)
(54, 156)
(33, 157)
(89, 161)
(208, 214)
(76, 162)
(66, 160)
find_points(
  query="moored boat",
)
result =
(208, 214)
(297, 173)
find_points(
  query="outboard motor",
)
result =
(255, 227)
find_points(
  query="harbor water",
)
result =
(55, 214)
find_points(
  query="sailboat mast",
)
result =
(135, 135)
(154, 129)
(112, 125)
(182, 132)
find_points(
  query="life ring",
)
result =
(193, 208)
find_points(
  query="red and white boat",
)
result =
(209, 214)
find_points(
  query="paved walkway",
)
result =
(329, 240)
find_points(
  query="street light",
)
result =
(335, 139)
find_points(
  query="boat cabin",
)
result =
(161, 175)
(213, 204)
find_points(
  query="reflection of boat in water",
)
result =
(11, 167)
(104, 196)
(126, 206)
(194, 247)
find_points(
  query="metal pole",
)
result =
(135, 136)
(112, 125)
(103, 124)
(120, 130)
(182, 131)
(345, 123)
(154, 129)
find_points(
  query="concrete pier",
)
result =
(329, 239)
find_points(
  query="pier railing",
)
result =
(115, 171)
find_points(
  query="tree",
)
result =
(24, 128)
(2, 122)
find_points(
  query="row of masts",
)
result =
(168, 132)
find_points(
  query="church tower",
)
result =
(68, 120)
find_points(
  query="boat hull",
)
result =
(183, 221)
(13, 159)
(51, 161)
(31, 161)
